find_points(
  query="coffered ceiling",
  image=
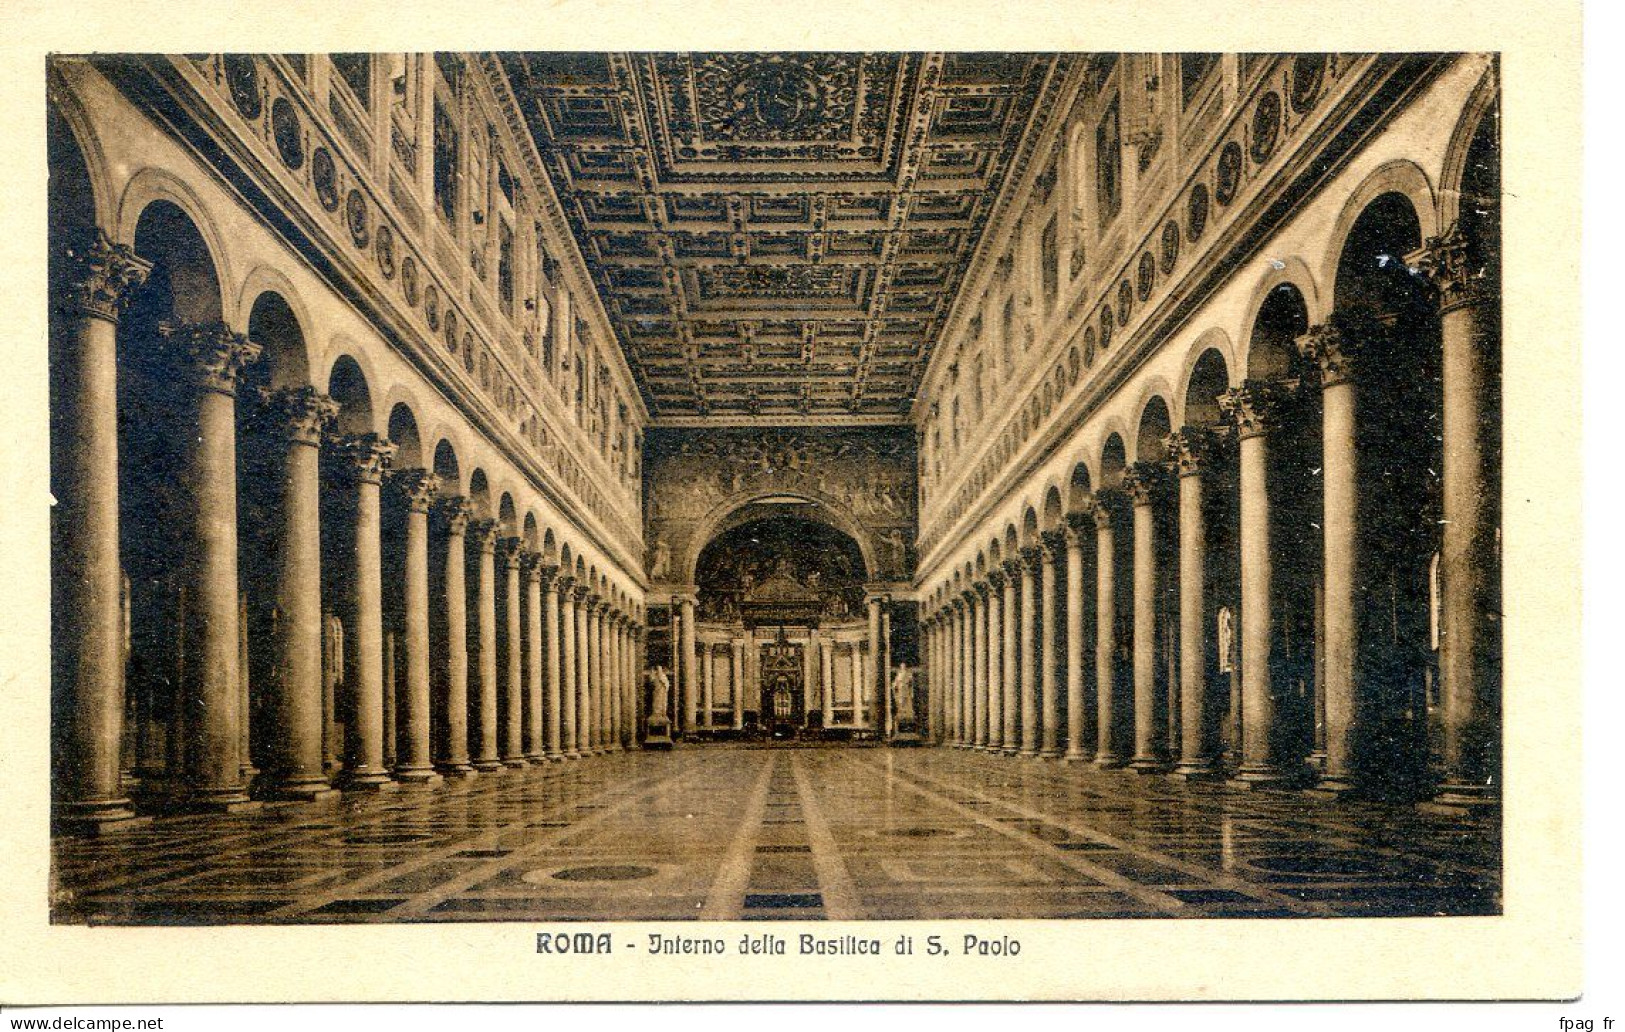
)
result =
(779, 237)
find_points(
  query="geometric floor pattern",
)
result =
(775, 833)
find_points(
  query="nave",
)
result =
(731, 832)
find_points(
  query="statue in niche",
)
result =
(902, 695)
(660, 564)
(1226, 639)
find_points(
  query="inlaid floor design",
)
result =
(733, 832)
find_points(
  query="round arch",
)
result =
(153, 185)
(721, 518)
(63, 100)
(1398, 176)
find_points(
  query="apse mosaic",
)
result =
(781, 235)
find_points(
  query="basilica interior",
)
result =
(520, 486)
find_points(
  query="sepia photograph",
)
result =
(928, 501)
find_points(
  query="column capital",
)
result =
(1032, 558)
(566, 585)
(580, 593)
(416, 487)
(363, 457)
(508, 550)
(105, 277)
(1054, 545)
(1336, 345)
(995, 576)
(957, 604)
(982, 588)
(1012, 570)
(1108, 503)
(1193, 449)
(1144, 482)
(455, 512)
(1255, 406)
(1080, 526)
(211, 352)
(482, 534)
(303, 415)
(546, 573)
(530, 564)
(1449, 264)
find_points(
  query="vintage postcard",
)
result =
(672, 513)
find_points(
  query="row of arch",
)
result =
(1389, 319)
(195, 280)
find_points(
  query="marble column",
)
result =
(1255, 406)
(363, 458)
(535, 737)
(1078, 750)
(1050, 687)
(1011, 675)
(482, 658)
(603, 686)
(1192, 449)
(1335, 348)
(689, 671)
(1032, 561)
(1144, 482)
(617, 694)
(708, 675)
(569, 746)
(857, 684)
(583, 686)
(977, 599)
(87, 647)
(591, 689)
(737, 673)
(413, 760)
(1469, 557)
(996, 647)
(963, 667)
(1107, 751)
(455, 513)
(293, 739)
(945, 661)
(208, 357)
(877, 682)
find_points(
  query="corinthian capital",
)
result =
(1192, 449)
(1255, 406)
(1144, 481)
(508, 551)
(211, 352)
(455, 511)
(1449, 263)
(416, 487)
(1337, 345)
(482, 534)
(104, 277)
(301, 414)
(1108, 505)
(363, 457)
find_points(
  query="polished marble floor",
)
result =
(735, 832)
